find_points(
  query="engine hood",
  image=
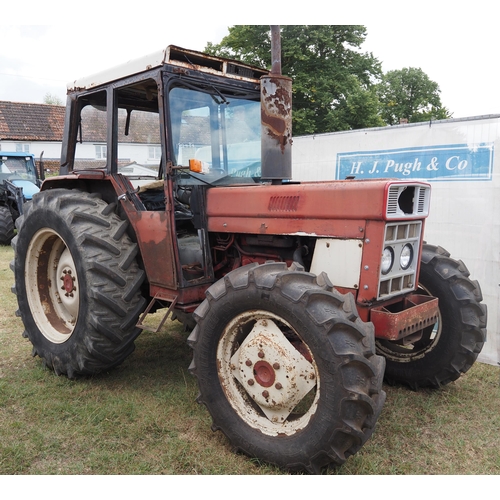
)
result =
(29, 189)
(320, 208)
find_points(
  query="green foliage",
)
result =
(335, 85)
(411, 95)
(332, 78)
(360, 109)
(52, 99)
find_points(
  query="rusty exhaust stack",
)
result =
(276, 117)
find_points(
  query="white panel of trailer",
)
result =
(461, 160)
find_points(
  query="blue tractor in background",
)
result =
(19, 181)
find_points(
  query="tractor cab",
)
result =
(162, 131)
(191, 110)
(19, 181)
(20, 169)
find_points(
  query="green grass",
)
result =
(142, 418)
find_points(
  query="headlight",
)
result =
(387, 260)
(406, 257)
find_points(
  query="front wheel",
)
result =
(286, 368)
(77, 282)
(450, 347)
(6, 226)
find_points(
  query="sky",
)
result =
(60, 43)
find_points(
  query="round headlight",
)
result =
(406, 257)
(387, 260)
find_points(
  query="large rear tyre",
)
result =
(451, 346)
(77, 282)
(6, 226)
(286, 368)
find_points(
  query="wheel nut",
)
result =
(278, 386)
(276, 366)
(251, 381)
(265, 394)
(261, 354)
(248, 362)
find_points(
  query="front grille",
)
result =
(408, 200)
(423, 201)
(398, 280)
(392, 200)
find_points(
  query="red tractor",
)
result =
(301, 297)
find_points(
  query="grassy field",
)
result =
(142, 418)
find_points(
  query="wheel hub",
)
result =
(264, 373)
(272, 371)
(68, 282)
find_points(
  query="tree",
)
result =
(361, 109)
(409, 94)
(333, 80)
(52, 99)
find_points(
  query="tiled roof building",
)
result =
(22, 121)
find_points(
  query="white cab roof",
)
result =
(177, 56)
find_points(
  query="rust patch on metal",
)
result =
(419, 312)
(276, 115)
(44, 285)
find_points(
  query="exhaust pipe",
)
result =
(276, 118)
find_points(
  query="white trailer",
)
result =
(457, 157)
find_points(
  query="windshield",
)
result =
(222, 132)
(15, 167)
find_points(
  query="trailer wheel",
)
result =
(286, 368)
(450, 347)
(6, 226)
(77, 282)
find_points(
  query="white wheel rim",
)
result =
(268, 382)
(52, 286)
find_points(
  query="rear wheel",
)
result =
(286, 368)
(77, 282)
(451, 346)
(6, 226)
